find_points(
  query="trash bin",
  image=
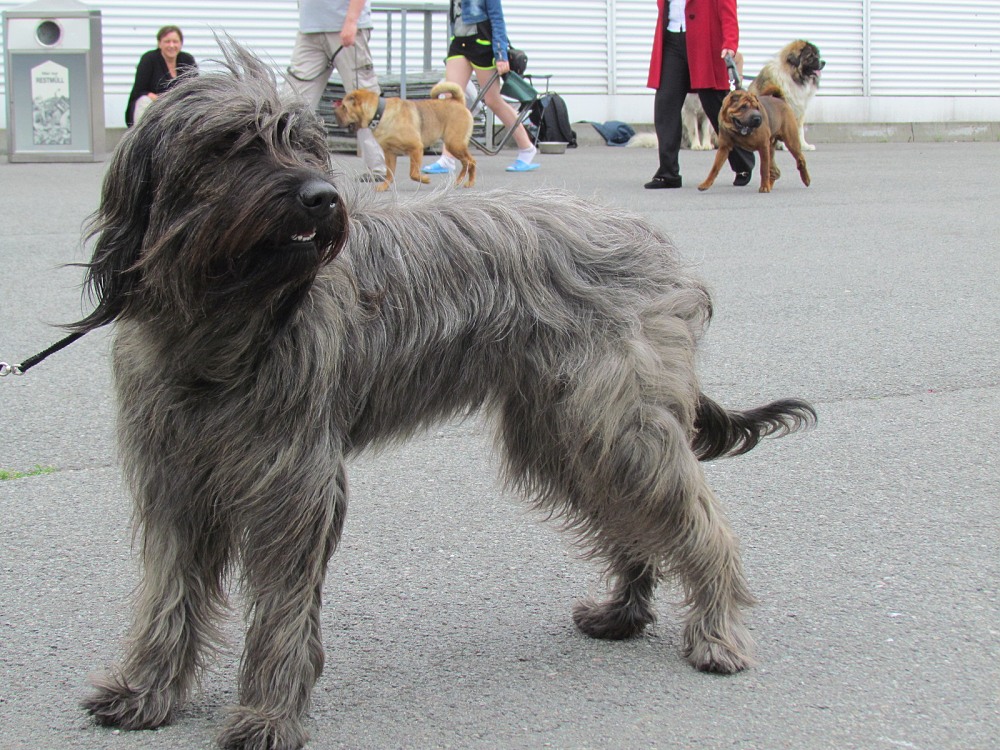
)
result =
(54, 82)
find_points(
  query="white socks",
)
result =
(526, 154)
(448, 162)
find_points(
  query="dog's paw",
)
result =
(248, 729)
(611, 620)
(115, 704)
(764, 189)
(720, 653)
(704, 186)
(714, 657)
(808, 146)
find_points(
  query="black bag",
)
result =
(550, 116)
(518, 60)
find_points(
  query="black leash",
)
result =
(326, 72)
(30, 362)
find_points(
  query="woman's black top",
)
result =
(152, 76)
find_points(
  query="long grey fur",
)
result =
(274, 319)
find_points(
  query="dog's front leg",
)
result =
(390, 172)
(765, 167)
(775, 171)
(416, 161)
(720, 158)
(289, 540)
(185, 554)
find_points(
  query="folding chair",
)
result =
(516, 88)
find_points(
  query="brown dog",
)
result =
(756, 122)
(408, 126)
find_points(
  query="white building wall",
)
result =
(887, 60)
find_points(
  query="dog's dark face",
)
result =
(804, 61)
(740, 112)
(221, 195)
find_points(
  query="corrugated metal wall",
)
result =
(599, 49)
(935, 48)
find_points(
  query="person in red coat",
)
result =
(692, 39)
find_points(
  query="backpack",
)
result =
(550, 116)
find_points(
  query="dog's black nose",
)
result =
(755, 121)
(317, 196)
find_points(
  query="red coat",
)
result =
(711, 28)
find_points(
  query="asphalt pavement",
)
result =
(871, 542)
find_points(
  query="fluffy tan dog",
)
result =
(795, 70)
(408, 126)
(756, 123)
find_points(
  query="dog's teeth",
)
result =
(304, 237)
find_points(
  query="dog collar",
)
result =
(378, 113)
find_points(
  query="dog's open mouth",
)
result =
(742, 128)
(304, 237)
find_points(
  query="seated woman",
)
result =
(157, 71)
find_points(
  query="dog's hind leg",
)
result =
(612, 453)
(800, 162)
(681, 534)
(184, 564)
(629, 607)
(289, 540)
(705, 557)
(794, 146)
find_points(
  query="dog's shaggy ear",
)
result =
(119, 226)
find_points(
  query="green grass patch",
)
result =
(36, 472)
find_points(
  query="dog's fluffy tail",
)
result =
(772, 89)
(721, 432)
(447, 87)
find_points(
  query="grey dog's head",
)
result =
(220, 196)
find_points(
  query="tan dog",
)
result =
(755, 123)
(795, 70)
(408, 126)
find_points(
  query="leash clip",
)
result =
(6, 370)
(734, 76)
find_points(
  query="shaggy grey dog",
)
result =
(270, 325)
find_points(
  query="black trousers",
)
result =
(675, 82)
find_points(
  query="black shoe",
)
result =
(658, 183)
(742, 178)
